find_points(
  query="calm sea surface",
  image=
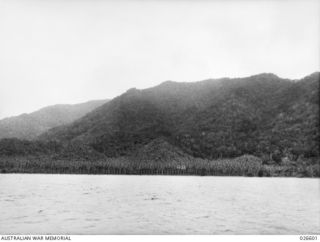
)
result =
(108, 204)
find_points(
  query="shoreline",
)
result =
(244, 166)
(165, 174)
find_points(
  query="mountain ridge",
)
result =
(240, 111)
(30, 125)
(261, 125)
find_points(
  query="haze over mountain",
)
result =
(29, 126)
(262, 115)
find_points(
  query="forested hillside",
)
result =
(262, 115)
(196, 126)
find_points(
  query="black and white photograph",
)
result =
(159, 117)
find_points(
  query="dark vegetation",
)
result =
(241, 166)
(257, 126)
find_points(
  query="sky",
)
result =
(72, 51)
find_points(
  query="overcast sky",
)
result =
(68, 51)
